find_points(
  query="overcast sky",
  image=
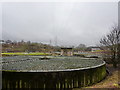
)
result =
(67, 23)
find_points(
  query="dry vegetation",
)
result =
(111, 82)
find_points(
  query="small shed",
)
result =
(65, 51)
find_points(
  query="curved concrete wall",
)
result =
(57, 79)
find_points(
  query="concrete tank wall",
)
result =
(57, 79)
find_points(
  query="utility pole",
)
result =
(50, 42)
(56, 41)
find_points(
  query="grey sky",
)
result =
(72, 23)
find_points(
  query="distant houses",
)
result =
(95, 49)
(92, 52)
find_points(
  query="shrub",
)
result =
(79, 55)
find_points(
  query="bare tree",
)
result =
(112, 42)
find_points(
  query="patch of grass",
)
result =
(9, 70)
(24, 54)
(79, 55)
(111, 81)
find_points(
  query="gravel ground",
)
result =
(20, 63)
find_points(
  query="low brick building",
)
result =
(66, 51)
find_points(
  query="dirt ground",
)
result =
(111, 82)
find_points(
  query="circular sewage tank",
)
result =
(51, 72)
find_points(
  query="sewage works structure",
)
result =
(55, 72)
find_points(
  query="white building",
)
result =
(95, 48)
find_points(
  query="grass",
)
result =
(110, 82)
(24, 54)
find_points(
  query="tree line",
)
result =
(28, 46)
(22, 46)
